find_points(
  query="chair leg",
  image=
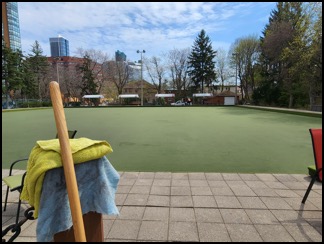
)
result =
(18, 210)
(5, 205)
(309, 188)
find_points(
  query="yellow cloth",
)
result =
(46, 155)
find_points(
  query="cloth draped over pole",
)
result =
(46, 155)
(97, 185)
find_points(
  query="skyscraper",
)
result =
(10, 25)
(59, 46)
(120, 56)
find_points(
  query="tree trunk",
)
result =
(291, 99)
(311, 96)
(7, 100)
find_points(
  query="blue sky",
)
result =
(156, 27)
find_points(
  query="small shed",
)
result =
(93, 96)
(129, 99)
(224, 98)
(93, 100)
(200, 97)
(167, 98)
(128, 96)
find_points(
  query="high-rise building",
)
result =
(59, 46)
(10, 25)
(135, 70)
(120, 56)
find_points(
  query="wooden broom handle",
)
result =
(67, 161)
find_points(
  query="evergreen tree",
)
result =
(201, 61)
(29, 88)
(88, 85)
(37, 78)
(11, 72)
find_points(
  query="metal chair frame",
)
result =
(316, 135)
(19, 186)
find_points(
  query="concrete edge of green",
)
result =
(287, 111)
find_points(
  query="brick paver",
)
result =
(203, 207)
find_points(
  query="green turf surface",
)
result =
(176, 139)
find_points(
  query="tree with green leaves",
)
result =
(314, 76)
(39, 69)
(11, 72)
(285, 54)
(245, 53)
(88, 85)
(201, 61)
(29, 88)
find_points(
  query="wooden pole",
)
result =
(67, 161)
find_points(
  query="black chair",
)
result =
(71, 133)
(16, 182)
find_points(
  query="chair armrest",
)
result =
(17, 161)
(311, 170)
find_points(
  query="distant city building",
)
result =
(120, 56)
(10, 25)
(59, 46)
(135, 70)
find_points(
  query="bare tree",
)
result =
(117, 72)
(221, 67)
(71, 80)
(178, 65)
(156, 71)
(44, 85)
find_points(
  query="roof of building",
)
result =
(128, 96)
(93, 96)
(165, 95)
(202, 94)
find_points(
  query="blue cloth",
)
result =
(97, 184)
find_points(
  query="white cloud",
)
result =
(128, 26)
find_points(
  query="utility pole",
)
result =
(141, 52)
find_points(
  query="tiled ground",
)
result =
(204, 207)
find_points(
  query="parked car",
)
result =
(178, 103)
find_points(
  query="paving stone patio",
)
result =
(203, 207)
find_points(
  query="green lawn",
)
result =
(176, 139)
